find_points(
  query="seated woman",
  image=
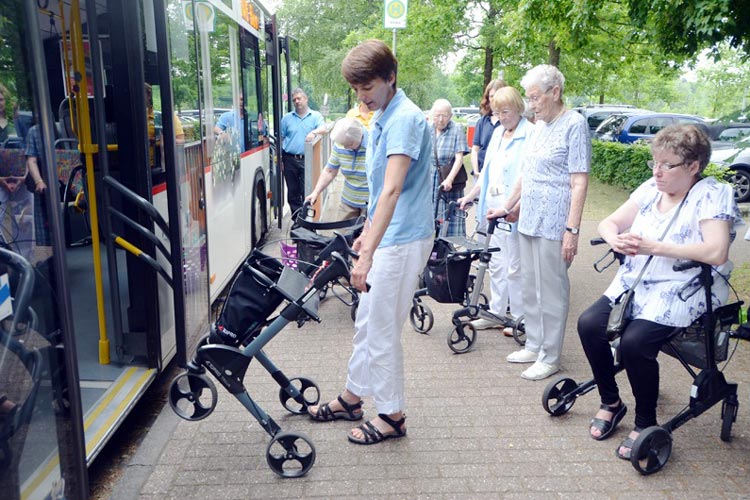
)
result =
(702, 230)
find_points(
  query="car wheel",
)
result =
(740, 178)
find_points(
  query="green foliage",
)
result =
(624, 165)
(719, 172)
(621, 165)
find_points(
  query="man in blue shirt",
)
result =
(393, 248)
(297, 127)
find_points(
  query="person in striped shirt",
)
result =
(348, 156)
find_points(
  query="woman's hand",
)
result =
(627, 244)
(447, 185)
(359, 272)
(311, 197)
(496, 213)
(569, 247)
(462, 202)
(40, 186)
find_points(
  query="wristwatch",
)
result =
(572, 230)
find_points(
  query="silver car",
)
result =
(736, 156)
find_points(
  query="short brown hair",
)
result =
(367, 61)
(485, 104)
(687, 141)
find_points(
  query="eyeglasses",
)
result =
(535, 98)
(664, 167)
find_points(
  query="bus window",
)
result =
(254, 124)
(219, 63)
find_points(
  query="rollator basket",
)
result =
(249, 301)
(690, 343)
(446, 275)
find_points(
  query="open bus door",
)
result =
(283, 58)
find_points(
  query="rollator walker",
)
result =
(448, 278)
(701, 345)
(239, 336)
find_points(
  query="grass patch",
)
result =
(602, 199)
(741, 279)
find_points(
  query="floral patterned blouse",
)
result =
(656, 295)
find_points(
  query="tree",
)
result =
(684, 28)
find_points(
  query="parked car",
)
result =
(737, 157)
(463, 112)
(595, 114)
(729, 132)
(642, 126)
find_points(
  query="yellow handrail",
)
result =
(84, 139)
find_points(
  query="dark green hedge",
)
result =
(624, 165)
(621, 165)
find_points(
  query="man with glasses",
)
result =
(449, 175)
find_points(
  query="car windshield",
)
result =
(611, 124)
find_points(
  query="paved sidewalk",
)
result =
(476, 429)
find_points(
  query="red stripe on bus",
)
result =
(160, 188)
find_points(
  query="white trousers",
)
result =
(505, 274)
(376, 367)
(546, 296)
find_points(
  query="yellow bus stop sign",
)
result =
(394, 14)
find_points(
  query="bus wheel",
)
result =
(258, 214)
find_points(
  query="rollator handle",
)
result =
(336, 267)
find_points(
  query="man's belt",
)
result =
(296, 157)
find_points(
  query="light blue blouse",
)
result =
(401, 129)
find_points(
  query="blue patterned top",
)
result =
(553, 152)
(656, 294)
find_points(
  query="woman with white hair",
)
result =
(348, 155)
(551, 192)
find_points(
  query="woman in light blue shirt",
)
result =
(393, 248)
(502, 166)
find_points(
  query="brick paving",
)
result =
(476, 430)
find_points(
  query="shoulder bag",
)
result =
(622, 305)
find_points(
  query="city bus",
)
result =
(139, 165)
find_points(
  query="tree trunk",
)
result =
(489, 55)
(554, 54)
(489, 63)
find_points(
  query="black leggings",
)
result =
(639, 346)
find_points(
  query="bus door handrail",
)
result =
(150, 210)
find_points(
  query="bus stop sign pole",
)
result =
(394, 17)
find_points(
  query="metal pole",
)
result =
(394, 41)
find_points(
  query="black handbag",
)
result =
(622, 305)
(619, 316)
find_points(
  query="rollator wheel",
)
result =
(309, 391)
(519, 331)
(653, 446)
(557, 398)
(323, 292)
(290, 455)
(192, 396)
(421, 317)
(728, 416)
(462, 337)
